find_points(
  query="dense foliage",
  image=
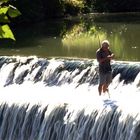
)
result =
(35, 10)
(116, 5)
(7, 12)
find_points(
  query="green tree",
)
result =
(7, 12)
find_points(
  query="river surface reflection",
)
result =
(46, 40)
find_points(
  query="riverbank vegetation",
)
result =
(78, 35)
(36, 10)
(83, 36)
(89, 37)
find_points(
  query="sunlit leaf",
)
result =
(5, 32)
(13, 12)
(3, 10)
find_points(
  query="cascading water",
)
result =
(57, 99)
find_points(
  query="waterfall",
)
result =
(57, 99)
(67, 122)
(17, 70)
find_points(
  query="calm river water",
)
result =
(46, 40)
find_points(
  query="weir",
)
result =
(57, 99)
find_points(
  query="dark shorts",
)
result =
(105, 78)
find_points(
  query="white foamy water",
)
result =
(58, 99)
(126, 96)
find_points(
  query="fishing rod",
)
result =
(99, 41)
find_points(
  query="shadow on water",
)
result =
(111, 103)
